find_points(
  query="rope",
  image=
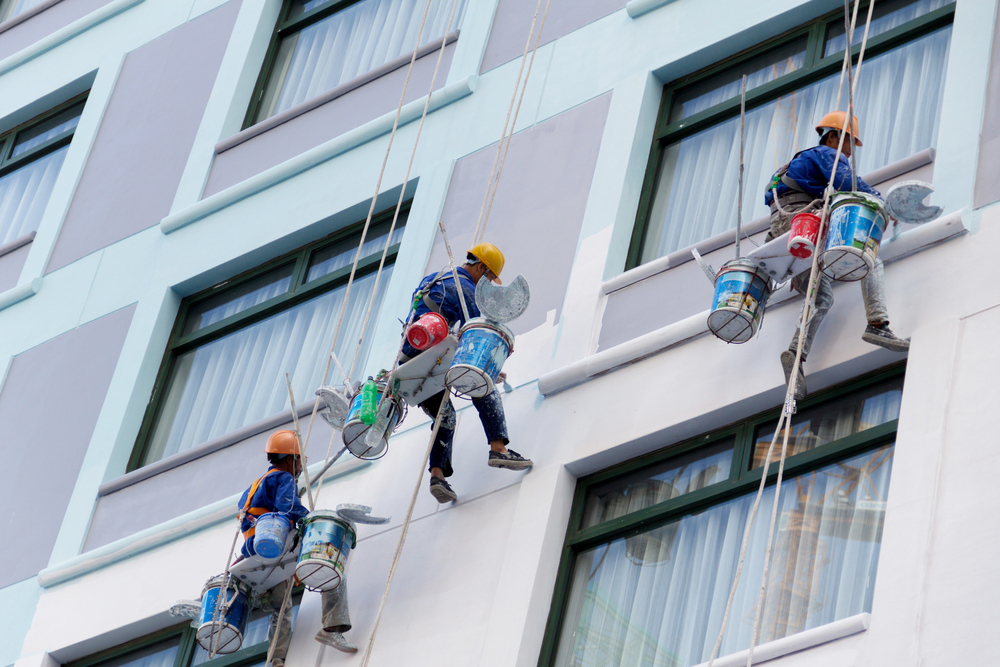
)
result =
(214, 644)
(743, 133)
(454, 272)
(298, 440)
(277, 624)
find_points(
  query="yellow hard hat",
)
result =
(282, 442)
(490, 255)
(837, 120)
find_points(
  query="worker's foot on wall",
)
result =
(336, 640)
(508, 459)
(787, 362)
(880, 334)
(277, 662)
(186, 609)
(442, 491)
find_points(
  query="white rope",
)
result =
(743, 136)
(298, 441)
(277, 624)
(454, 271)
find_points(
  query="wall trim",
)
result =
(315, 156)
(20, 293)
(637, 8)
(20, 242)
(25, 15)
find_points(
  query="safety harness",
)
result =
(254, 511)
(424, 294)
(798, 195)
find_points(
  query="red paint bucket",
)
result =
(428, 331)
(805, 231)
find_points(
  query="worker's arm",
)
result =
(286, 497)
(821, 160)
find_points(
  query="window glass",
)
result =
(24, 194)
(300, 7)
(162, 654)
(48, 129)
(256, 633)
(341, 254)
(242, 297)
(888, 14)
(657, 598)
(695, 193)
(348, 44)
(658, 483)
(832, 421)
(11, 8)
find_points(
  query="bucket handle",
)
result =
(707, 268)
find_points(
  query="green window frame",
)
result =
(816, 67)
(10, 162)
(299, 290)
(743, 479)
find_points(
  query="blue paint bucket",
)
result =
(326, 543)
(355, 433)
(741, 293)
(482, 351)
(224, 633)
(857, 222)
(271, 531)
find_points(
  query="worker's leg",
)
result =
(490, 409)
(824, 301)
(336, 619)
(280, 630)
(873, 293)
(440, 460)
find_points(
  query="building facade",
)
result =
(184, 185)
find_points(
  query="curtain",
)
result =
(350, 43)
(24, 193)
(158, 655)
(888, 14)
(17, 7)
(236, 300)
(898, 101)
(239, 379)
(658, 598)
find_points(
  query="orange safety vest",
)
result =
(254, 511)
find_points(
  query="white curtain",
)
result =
(24, 193)
(14, 7)
(350, 43)
(240, 378)
(888, 15)
(898, 101)
(244, 297)
(658, 598)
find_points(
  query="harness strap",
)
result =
(424, 294)
(254, 511)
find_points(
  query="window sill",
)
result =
(637, 8)
(341, 90)
(20, 293)
(798, 642)
(17, 243)
(24, 16)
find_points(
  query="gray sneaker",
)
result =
(442, 491)
(509, 459)
(787, 361)
(882, 336)
(336, 640)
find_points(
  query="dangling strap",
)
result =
(254, 511)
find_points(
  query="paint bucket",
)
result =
(427, 332)
(270, 533)
(803, 236)
(741, 293)
(482, 350)
(226, 632)
(857, 222)
(327, 541)
(355, 431)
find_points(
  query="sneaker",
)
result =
(881, 335)
(787, 361)
(442, 491)
(277, 662)
(509, 459)
(336, 640)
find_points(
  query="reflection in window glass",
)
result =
(24, 194)
(300, 7)
(48, 129)
(832, 421)
(658, 483)
(657, 598)
(242, 297)
(157, 655)
(341, 254)
(696, 189)
(888, 14)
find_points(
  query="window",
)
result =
(691, 182)
(232, 344)
(31, 156)
(653, 544)
(11, 8)
(321, 44)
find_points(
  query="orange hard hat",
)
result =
(837, 120)
(282, 442)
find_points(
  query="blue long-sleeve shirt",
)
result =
(811, 170)
(445, 295)
(277, 493)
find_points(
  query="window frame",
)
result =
(299, 291)
(10, 164)
(742, 481)
(816, 67)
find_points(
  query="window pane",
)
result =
(239, 379)
(11, 8)
(350, 43)
(48, 129)
(158, 655)
(340, 254)
(256, 633)
(726, 85)
(832, 421)
(24, 194)
(656, 484)
(657, 598)
(300, 7)
(888, 14)
(695, 193)
(241, 297)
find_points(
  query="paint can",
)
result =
(427, 331)
(225, 633)
(857, 222)
(803, 236)
(355, 431)
(482, 350)
(741, 293)
(327, 541)
(270, 534)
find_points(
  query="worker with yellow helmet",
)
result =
(438, 293)
(798, 185)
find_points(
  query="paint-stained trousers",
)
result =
(872, 287)
(490, 408)
(336, 616)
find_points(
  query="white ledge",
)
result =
(637, 8)
(330, 95)
(17, 243)
(20, 293)
(168, 531)
(27, 14)
(908, 243)
(314, 156)
(67, 33)
(798, 642)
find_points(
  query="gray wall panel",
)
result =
(49, 406)
(513, 20)
(988, 171)
(146, 136)
(11, 265)
(325, 122)
(539, 206)
(43, 24)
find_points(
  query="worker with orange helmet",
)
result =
(438, 293)
(801, 184)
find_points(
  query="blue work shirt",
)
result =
(811, 170)
(445, 295)
(277, 493)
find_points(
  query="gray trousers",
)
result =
(872, 288)
(336, 616)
